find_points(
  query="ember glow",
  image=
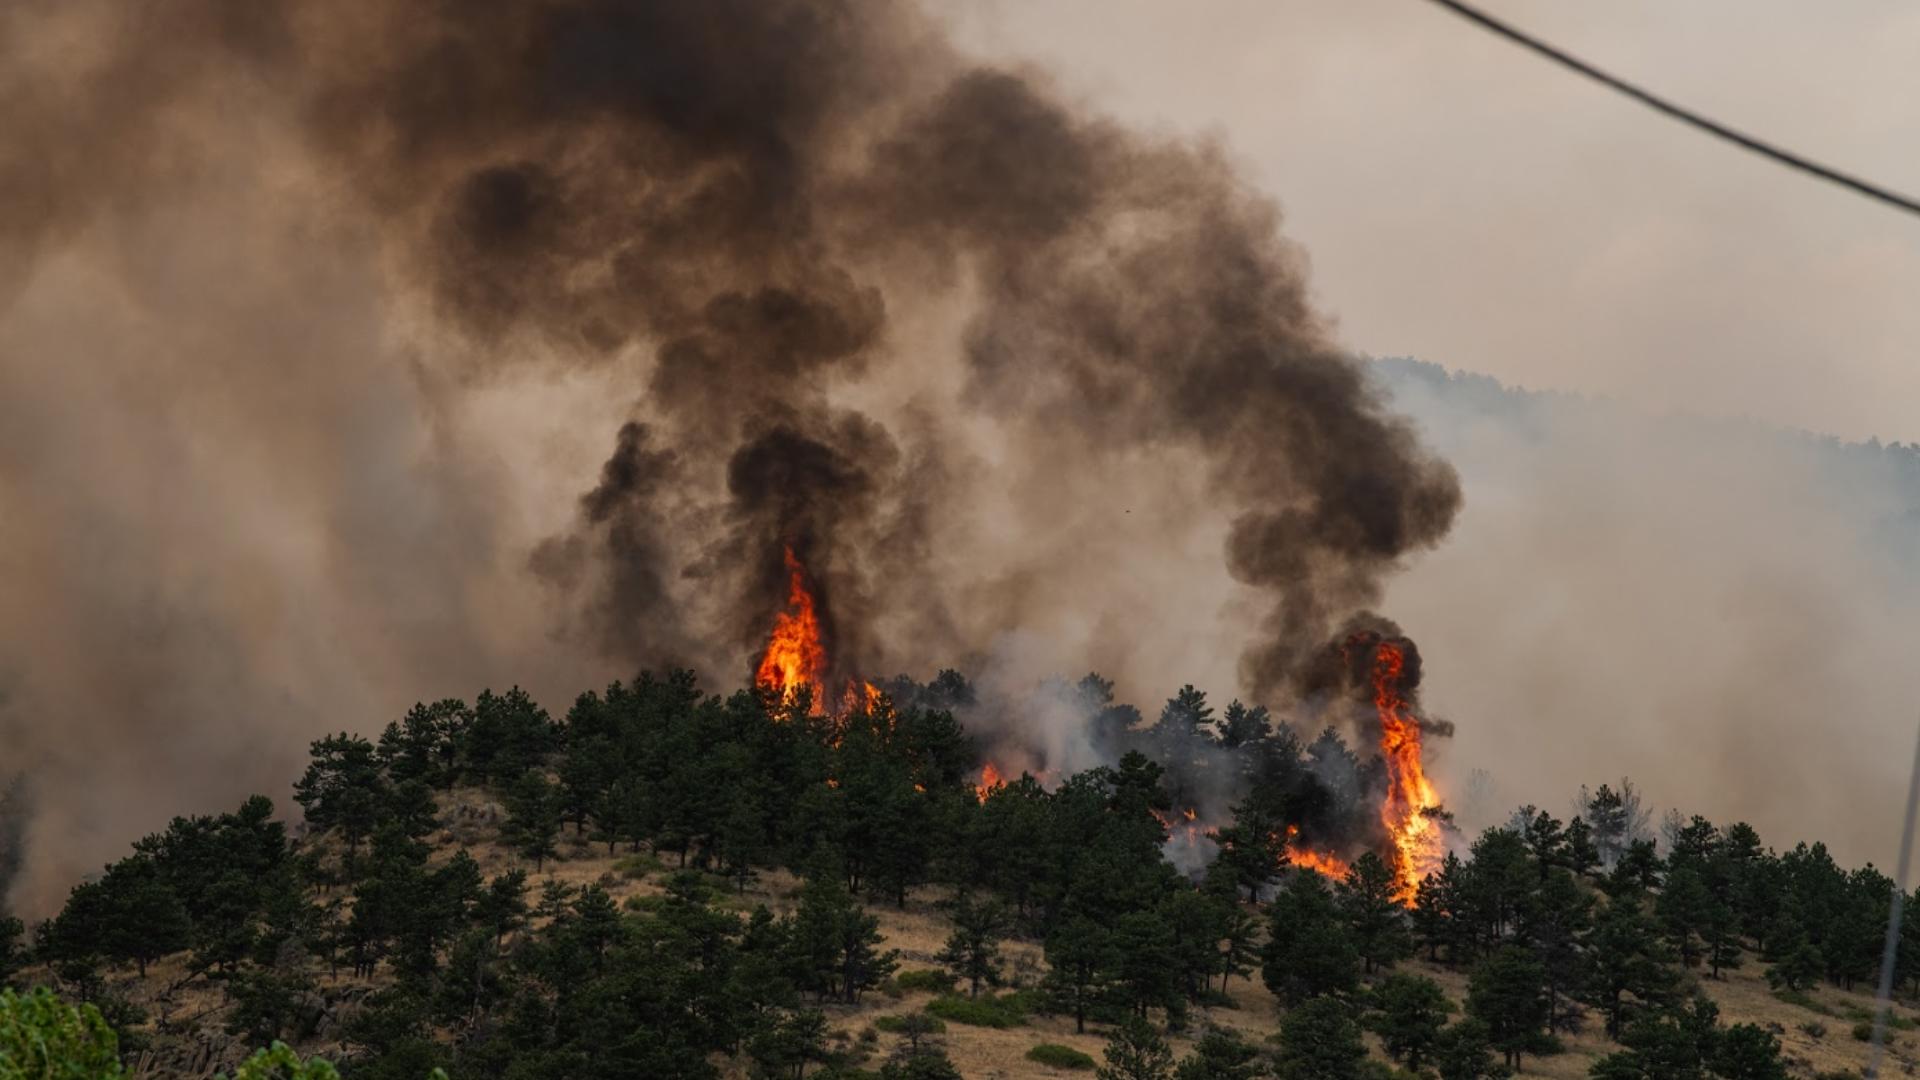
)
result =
(795, 657)
(1417, 845)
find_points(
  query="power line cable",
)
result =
(1681, 113)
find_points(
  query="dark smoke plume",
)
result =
(869, 302)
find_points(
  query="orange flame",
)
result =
(865, 695)
(1320, 862)
(794, 656)
(1417, 846)
(990, 782)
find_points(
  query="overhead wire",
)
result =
(1779, 155)
(1858, 186)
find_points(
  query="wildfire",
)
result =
(795, 657)
(864, 695)
(1417, 846)
(1320, 862)
(990, 782)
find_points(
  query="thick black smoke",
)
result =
(730, 185)
(735, 205)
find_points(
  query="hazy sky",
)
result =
(1466, 202)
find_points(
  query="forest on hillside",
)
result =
(418, 919)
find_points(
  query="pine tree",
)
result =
(533, 819)
(1375, 919)
(1136, 1052)
(1309, 950)
(1507, 993)
(1408, 1014)
(1464, 1051)
(1220, 1055)
(1081, 954)
(1627, 963)
(972, 951)
(1319, 1040)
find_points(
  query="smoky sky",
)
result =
(358, 352)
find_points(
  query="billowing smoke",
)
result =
(368, 282)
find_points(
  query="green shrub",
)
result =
(636, 867)
(1055, 1056)
(1814, 1029)
(280, 1062)
(1863, 1030)
(987, 1010)
(897, 1025)
(42, 1038)
(925, 981)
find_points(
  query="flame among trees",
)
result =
(1408, 812)
(793, 669)
(795, 658)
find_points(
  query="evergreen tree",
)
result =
(1464, 1051)
(1242, 726)
(1309, 950)
(1546, 840)
(1686, 911)
(1507, 993)
(1553, 923)
(533, 818)
(1238, 948)
(1408, 1014)
(833, 944)
(502, 908)
(1579, 851)
(972, 951)
(1250, 849)
(1144, 972)
(1627, 964)
(1375, 920)
(1220, 1055)
(1136, 1052)
(1675, 1043)
(1799, 965)
(1440, 917)
(144, 919)
(1319, 1040)
(1748, 1052)
(789, 1042)
(342, 788)
(1081, 954)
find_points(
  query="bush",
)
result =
(925, 981)
(636, 867)
(43, 1038)
(1863, 1030)
(987, 1010)
(1814, 1029)
(1053, 1055)
(897, 1025)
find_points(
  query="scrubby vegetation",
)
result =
(749, 848)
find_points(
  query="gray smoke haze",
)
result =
(1720, 610)
(358, 352)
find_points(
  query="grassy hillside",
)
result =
(188, 1012)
